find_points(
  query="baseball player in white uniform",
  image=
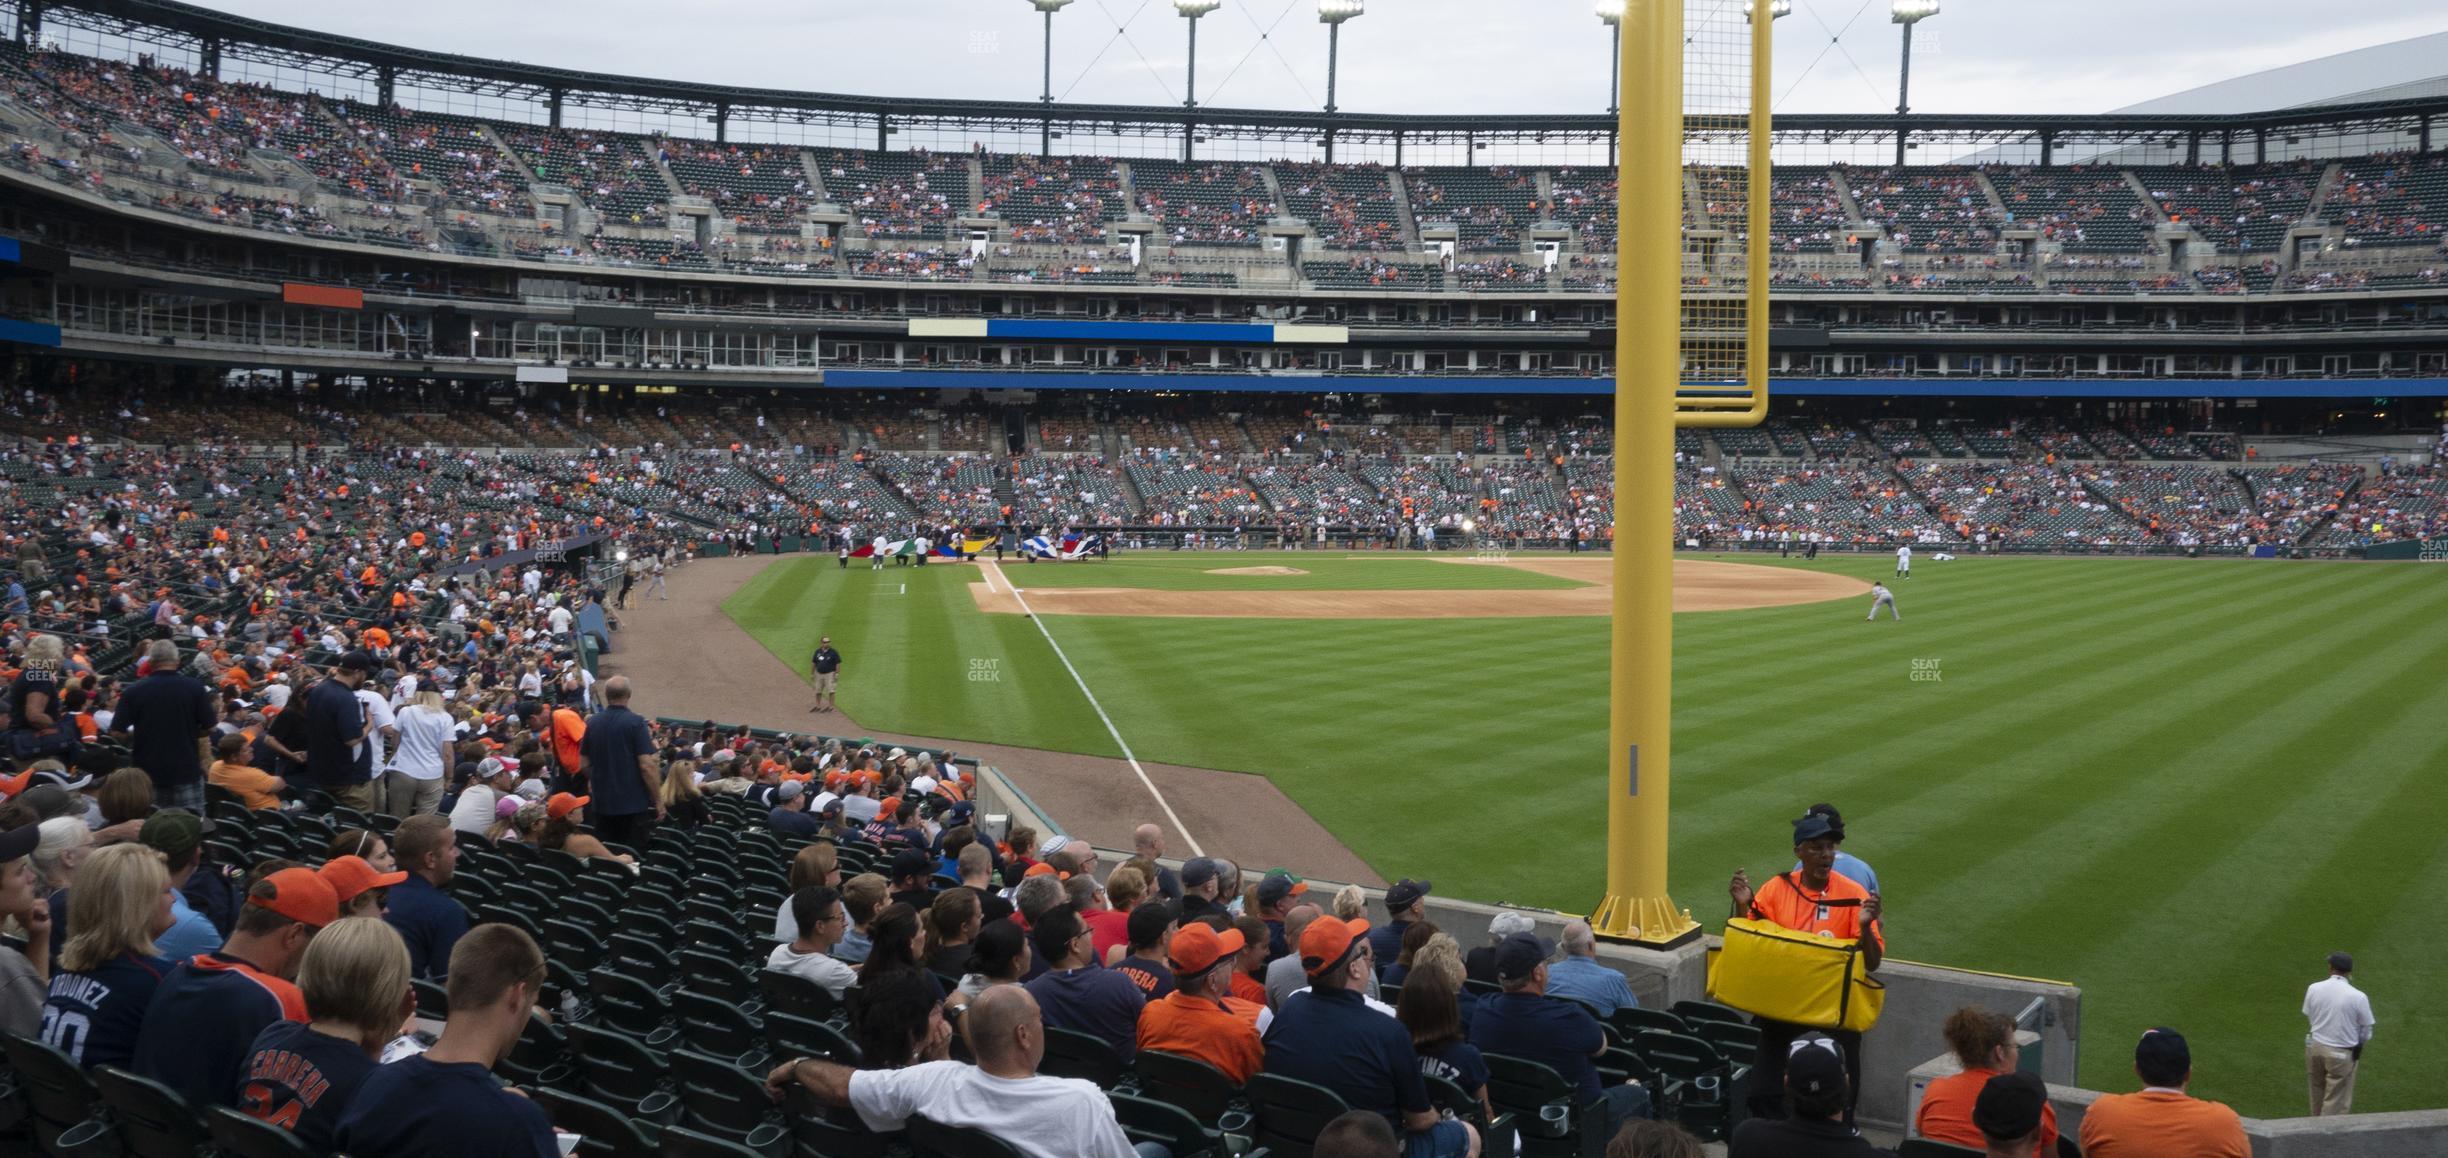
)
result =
(1880, 596)
(1904, 562)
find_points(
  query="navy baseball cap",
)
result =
(2010, 1105)
(1813, 826)
(1520, 954)
(1814, 1065)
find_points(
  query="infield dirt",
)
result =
(1698, 586)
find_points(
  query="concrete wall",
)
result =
(1919, 997)
(2418, 1132)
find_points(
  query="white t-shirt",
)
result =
(425, 735)
(378, 710)
(474, 812)
(1041, 1116)
(821, 968)
(2340, 1014)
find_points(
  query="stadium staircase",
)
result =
(977, 186)
(1844, 197)
(1997, 204)
(2150, 201)
(2320, 198)
(817, 193)
(1695, 201)
(510, 156)
(1274, 187)
(1402, 210)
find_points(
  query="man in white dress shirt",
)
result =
(2341, 1019)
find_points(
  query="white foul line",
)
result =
(1110, 730)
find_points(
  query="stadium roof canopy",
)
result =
(212, 41)
(2412, 69)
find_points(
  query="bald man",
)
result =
(1148, 840)
(1001, 1095)
(624, 777)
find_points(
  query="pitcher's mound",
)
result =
(1257, 571)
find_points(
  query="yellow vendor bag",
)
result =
(1771, 971)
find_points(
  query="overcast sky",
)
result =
(1425, 56)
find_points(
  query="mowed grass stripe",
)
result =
(2331, 804)
(1865, 752)
(2099, 723)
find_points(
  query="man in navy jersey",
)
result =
(428, 919)
(207, 1013)
(446, 1100)
(302, 1076)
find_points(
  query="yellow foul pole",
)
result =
(1648, 309)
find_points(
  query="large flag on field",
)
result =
(1067, 547)
(963, 547)
(891, 547)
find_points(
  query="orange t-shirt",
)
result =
(568, 728)
(253, 785)
(1797, 908)
(1222, 1034)
(1946, 1112)
(2162, 1124)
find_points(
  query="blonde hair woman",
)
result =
(413, 783)
(354, 975)
(121, 903)
(1350, 903)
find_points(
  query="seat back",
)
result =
(1932, 1148)
(931, 1139)
(608, 1133)
(57, 1093)
(239, 1136)
(153, 1120)
(1072, 1054)
(1186, 1082)
(1633, 1019)
(1523, 1089)
(1167, 1125)
(712, 1025)
(803, 1037)
(725, 1100)
(795, 995)
(1694, 1011)
(616, 1067)
(1290, 1113)
(679, 1142)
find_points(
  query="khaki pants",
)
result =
(357, 796)
(405, 796)
(2332, 1072)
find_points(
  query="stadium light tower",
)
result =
(1191, 10)
(1045, 133)
(1612, 13)
(1907, 13)
(1332, 14)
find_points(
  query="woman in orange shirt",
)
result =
(1985, 1043)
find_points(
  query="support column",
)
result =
(555, 111)
(383, 77)
(1648, 296)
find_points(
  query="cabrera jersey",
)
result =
(300, 1081)
(203, 1022)
(94, 1016)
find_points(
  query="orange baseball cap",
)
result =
(350, 876)
(300, 894)
(562, 804)
(1328, 942)
(1041, 869)
(1197, 948)
(12, 785)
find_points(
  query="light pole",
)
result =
(1612, 13)
(1045, 133)
(1907, 13)
(1332, 14)
(1191, 10)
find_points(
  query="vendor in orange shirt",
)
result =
(1815, 899)
(1984, 1042)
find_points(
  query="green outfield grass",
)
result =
(2177, 783)
(1327, 571)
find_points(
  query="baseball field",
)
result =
(2177, 783)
